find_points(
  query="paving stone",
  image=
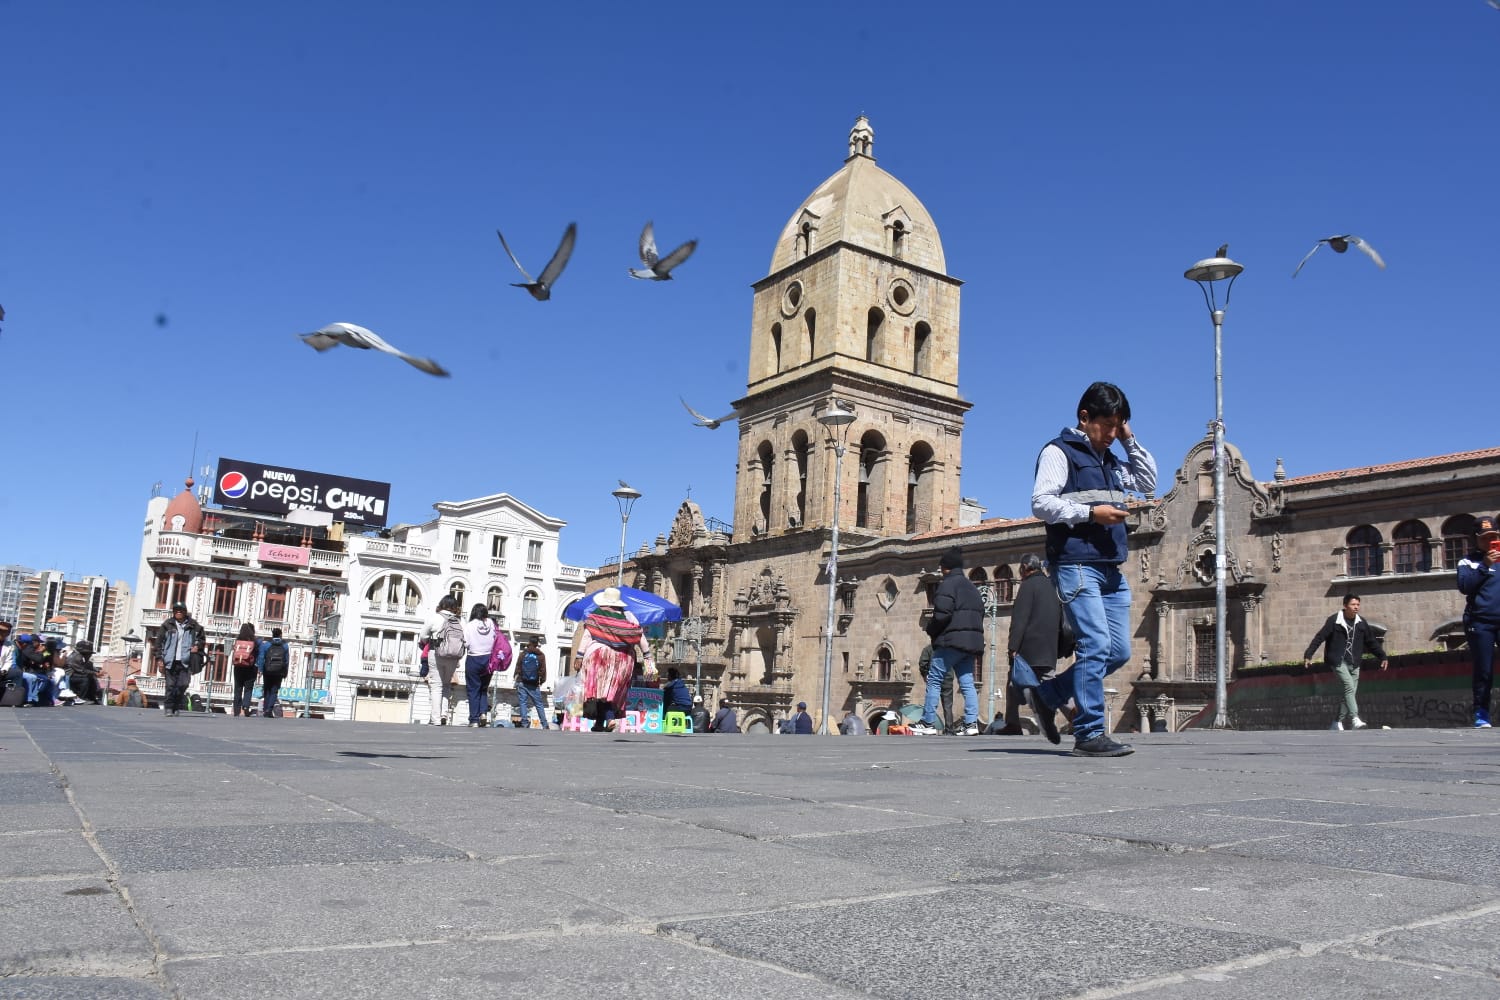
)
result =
(1316, 811)
(1427, 854)
(1173, 828)
(945, 944)
(70, 926)
(74, 988)
(1324, 977)
(607, 965)
(30, 787)
(1466, 945)
(213, 848)
(55, 853)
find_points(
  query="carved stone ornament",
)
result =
(687, 525)
(765, 587)
(1276, 544)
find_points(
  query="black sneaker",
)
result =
(1045, 717)
(1101, 746)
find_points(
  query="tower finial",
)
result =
(861, 139)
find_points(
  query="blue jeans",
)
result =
(962, 665)
(1096, 599)
(39, 689)
(270, 689)
(528, 695)
(1482, 636)
(478, 683)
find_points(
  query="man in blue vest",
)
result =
(1080, 493)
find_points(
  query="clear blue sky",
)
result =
(249, 172)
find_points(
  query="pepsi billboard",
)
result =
(272, 489)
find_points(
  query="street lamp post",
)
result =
(325, 596)
(835, 420)
(991, 598)
(625, 497)
(224, 629)
(693, 630)
(1206, 273)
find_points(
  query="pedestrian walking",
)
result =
(1035, 622)
(924, 664)
(531, 674)
(1080, 493)
(181, 655)
(957, 631)
(444, 635)
(612, 647)
(242, 657)
(1479, 581)
(479, 643)
(1344, 638)
(273, 662)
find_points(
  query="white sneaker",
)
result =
(923, 729)
(1358, 723)
(1337, 726)
(972, 729)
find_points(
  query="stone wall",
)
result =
(1420, 690)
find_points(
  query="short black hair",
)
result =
(276, 633)
(478, 611)
(1350, 597)
(1104, 399)
(672, 674)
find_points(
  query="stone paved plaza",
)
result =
(224, 858)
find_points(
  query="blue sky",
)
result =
(250, 172)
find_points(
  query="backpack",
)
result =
(500, 655)
(244, 653)
(531, 667)
(275, 662)
(451, 643)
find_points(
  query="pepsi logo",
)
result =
(234, 485)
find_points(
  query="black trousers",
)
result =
(178, 678)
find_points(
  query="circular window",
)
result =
(791, 299)
(902, 296)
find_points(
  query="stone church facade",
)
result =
(858, 308)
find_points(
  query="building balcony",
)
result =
(460, 558)
(531, 624)
(392, 610)
(497, 563)
(398, 550)
(185, 547)
(573, 573)
(386, 668)
(534, 568)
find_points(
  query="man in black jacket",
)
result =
(1344, 638)
(181, 652)
(1035, 620)
(957, 631)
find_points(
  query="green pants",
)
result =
(1348, 676)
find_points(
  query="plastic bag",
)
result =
(569, 693)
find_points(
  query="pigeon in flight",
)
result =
(703, 421)
(350, 335)
(541, 288)
(1341, 244)
(659, 269)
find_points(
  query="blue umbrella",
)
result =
(647, 608)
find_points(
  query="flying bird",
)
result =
(541, 288)
(350, 335)
(1341, 244)
(703, 421)
(660, 269)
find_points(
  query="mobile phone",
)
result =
(1495, 547)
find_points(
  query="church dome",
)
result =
(184, 512)
(865, 206)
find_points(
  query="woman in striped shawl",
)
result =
(613, 641)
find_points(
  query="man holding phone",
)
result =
(1080, 492)
(1479, 581)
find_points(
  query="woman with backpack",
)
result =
(479, 642)
(242, 657)
(445, 638)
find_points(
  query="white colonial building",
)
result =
(494, 550)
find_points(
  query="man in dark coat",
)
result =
(1344, 638)
(83, 675)
(726, 720)
(181, 655)
(957, 631)
(1035, 620)
(700, 715)
(802, 722)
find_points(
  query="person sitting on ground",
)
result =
(701, 720)
(31, 659)
(853, 725)
(725, 719)
(83, 675)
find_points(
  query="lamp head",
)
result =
(626, 497)
(1213, 269)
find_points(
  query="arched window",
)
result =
(870, 499)
(1005, 585)
(874, 322)
(805, 239)
(1362, 548)
(494, 599)
(531, 617)
(393, 594)
(898, 239)
(919, 488)
(810, 317)
(921, 338)
(801, 451)
(1458, 539)
(775, 347)
(767, 472)
(884, 663)
(456, 591)
(1413, 554)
